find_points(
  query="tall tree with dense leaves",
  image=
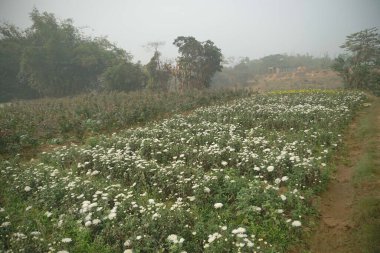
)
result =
(198, 62)
(47, 61)
(360, 66)
(12, 43)
(58, 61)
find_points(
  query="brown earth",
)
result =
(337, 224)
(305, 79)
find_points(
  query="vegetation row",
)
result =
(237, 177)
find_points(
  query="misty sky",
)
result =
(253, 28)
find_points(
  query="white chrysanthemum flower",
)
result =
(283, 197)
(20, 235)
(95, 172)
(250, 244)
(218, 205)
(284, 178)
(155, 216)
(88, 223)
(213, 237)
(256, 168)
(256, 208)
(112, 215)
(277, 181)
(95, 204)
(128, 251)
(174, 239)
(296, 223)
(270, 168)
(224, 163)
(35, 233)
(5, 224)
(28, 208)
(241, 235)
(48, 214)
(96, 221)
(239, 230)
(67, 240)
(207, 190)
(27, 188)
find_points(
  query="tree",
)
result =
(12, 44)
(124, 76)
(360, 66)
(58, 61)
(198, 63)
(159, 73)
(47, 60)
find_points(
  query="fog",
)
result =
(251, 28)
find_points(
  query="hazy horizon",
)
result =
(240, 28)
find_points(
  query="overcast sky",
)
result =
(252, 28)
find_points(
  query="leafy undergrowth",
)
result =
(24, 126)
(237, 177)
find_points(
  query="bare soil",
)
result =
(305, 79)
(336, 205)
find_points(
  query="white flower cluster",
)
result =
(223, 161)
(175, 239)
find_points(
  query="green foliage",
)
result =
(53, 59)
(46, 61)
(29, 124)
(12, 44)
(124, 76)
(159, 73)
(198, 63)
(366, 181)
(150, 189)
(58, 61)
(360, 67)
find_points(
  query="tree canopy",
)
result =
(360, 65)
(52, 58)
(159, 73)
(198, 62)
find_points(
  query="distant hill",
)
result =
(301, 78)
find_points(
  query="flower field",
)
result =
(27, 125)
(237, 177)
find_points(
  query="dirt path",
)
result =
(337, 222)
